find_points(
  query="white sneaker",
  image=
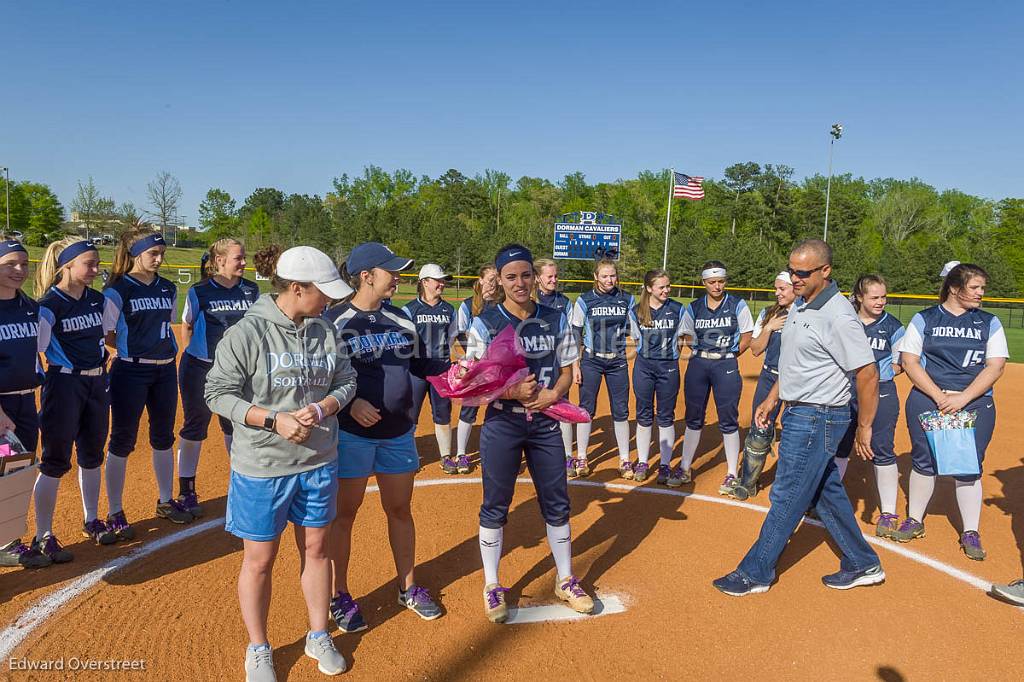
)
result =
(328, 660)
(259, 665)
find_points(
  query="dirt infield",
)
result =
(657, 553)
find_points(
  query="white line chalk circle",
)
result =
(16, 633)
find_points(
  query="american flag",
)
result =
(688, 187)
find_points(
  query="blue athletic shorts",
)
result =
(359, 457)
(260, 508)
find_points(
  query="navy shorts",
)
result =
(22, 411)
(440, 408)
(134, 387)
(921, 453)
(703, 375)
(616, 375)
(655, 378)
(260, 508)
(505, 438)
(192, 382)
(883, 428)
(75, 412)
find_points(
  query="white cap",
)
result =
(306, 264)
(784, 276)
(948, 266)
(433, 271)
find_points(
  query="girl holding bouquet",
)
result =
(953, 353)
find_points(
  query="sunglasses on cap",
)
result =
(803, 274)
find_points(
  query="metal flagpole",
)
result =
(668, 215)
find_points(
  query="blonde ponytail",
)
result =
(218, 248)
(48, 274)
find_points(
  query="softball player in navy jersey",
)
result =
(546, 272)
(509, 433)
(718, 326)
(600, 319)
(655, 323)
(376, 434)
(140, 305)
(766, 340)
(20, 374)
(435, 323)
(213, 304)
(485, 295)
(883, 331)
(75, 403)
(953, 353)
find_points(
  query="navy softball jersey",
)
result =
(718, 330)
(463, 321)
(883, 335)
(604, 320)
(953, 351)
(141, 316)
(210, 309)
(556, 300)
(770, 369)
(75, 400)
(656, 371)
(507, 434)
(20, 371)
(380, 344)
(435, 331)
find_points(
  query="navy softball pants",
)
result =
(22, 411)
(134, 387)
(703, 375)
(616, 375)
(192, 381)
(75, 412)
(921, 453)
(765, 381)
(440, 408)
(883, 428)
(655, 379)
(505, 438)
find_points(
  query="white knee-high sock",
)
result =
(731, 445)
(887, 477)
(462, 437)
(583, 439)
(163, 467)
(968, 498)
(666, 442)
(116, 469)
(560, 541)
(44, 498)
(443, 434)
(188, 457)
(490, 553)
(841, 464)
(227, 442)
(566, 438)
(89, 481)
(691, 439)
(921, 489)
(643, 442)
(622, 439)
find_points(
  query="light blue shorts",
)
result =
(359, 457)
(260, 508)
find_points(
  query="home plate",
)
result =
(603, 606)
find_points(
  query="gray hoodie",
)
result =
(267, 361)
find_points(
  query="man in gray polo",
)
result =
(823, 343)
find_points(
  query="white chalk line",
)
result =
(22, 626)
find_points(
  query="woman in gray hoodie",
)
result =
(278, 377)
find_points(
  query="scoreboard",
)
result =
(587, 235)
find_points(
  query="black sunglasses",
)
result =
(804, 274)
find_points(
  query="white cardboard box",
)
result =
(15, 493)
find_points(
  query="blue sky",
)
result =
(240, 95)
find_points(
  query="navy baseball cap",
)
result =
(370, 255)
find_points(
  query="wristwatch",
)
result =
(268, 421)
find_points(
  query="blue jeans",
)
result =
(807, 474)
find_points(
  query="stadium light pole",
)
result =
(836, 133)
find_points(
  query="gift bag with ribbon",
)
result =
(951, 438)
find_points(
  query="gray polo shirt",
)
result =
(822, 343)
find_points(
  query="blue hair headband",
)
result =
(11, 246)
(73, 251)
(148, 242)
(512, 254)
